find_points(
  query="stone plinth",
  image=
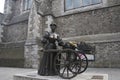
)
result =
(84, 76)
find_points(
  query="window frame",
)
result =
(81, 6)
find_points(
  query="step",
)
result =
(85, 76)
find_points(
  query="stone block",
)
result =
(35, 76)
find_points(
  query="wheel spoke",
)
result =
(67, 72)
(73, 67)
(62, 57)
(64, 70)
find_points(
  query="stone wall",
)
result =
(15, 21)
(12, 54)
(18, 7)
(8, 6)
(1, 31)
(100, 21)
(107, 55)
(44, 6)
(13, 7)
(15, 32)
(113, 2)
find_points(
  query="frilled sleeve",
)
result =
(45, 38)
(60, 41)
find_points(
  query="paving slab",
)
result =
(85, 76)
(6, 73)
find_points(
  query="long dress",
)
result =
(46, 67)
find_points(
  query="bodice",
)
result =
(53, 37)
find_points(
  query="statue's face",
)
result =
(53, 27)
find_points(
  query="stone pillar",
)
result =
(8, 6)
(8, 11)
(34, 33)
(36, 25)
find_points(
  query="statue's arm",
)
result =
(60, 41)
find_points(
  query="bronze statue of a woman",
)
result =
(49, 41)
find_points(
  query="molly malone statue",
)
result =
(49, 41)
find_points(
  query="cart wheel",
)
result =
(84, 62)
(80, 64)
(62, 62)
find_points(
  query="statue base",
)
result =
(84, 76)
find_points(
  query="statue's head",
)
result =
(53, 27)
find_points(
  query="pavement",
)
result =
(7, 73)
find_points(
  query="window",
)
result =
(76, 3)
(72, 4)
(86, 2)
(27, 4)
